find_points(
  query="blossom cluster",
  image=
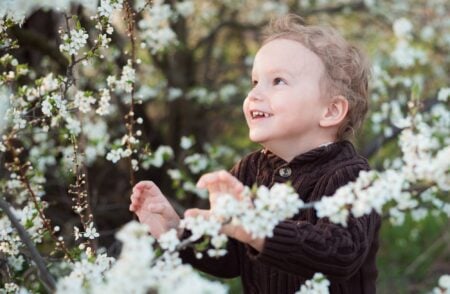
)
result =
(260, 215)
(257, 216)
(138, 270)
(74, 41)
(317, 285)
(156, 31)
(107, 7)
(424, 161)
(126, 81)
(443, 285)
(10, 243)
(200, 226)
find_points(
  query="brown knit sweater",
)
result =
(304, 244)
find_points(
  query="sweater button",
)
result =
(285, 172)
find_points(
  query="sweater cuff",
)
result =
(284, 237)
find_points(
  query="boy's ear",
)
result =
(335, 112)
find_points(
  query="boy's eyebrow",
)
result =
(276, 71)
(280, 71)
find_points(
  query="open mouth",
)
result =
(259, 114)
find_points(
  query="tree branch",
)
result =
(44, 274)
(230, 24)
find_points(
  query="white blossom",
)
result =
(196, 162)
(183, 277)
(11, 288)
(48, 84)
(126, 81)
(189, 186)
(16, 262)
(403, 28)
(169, 240)
(4, 106)
(174, 93)
(91, 232)
(185, 8)
(443, 285)
(85, 272)
(73, 125)
(53, 104)
(83, 100)
(443, 94)
(157, 159)
(155, 27)
(317, 285)
(75, 42)
(116, 154)
(104, 104)
(186, 142)
(407, 56)
(174, 174)
(107, 7)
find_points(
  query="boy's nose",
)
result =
(256, 93)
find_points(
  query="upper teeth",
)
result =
(259, 113)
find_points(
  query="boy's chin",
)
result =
(260, 142)
(255, 139)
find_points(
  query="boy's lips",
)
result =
(258, 114)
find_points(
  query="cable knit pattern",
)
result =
(304, 244)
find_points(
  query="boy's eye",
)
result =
(278, 81)
(254, 83)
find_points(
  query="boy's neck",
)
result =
(289, 150)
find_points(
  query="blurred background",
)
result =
(192, 62)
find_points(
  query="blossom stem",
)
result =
(44, 274)
(130, 14)
(22, 169)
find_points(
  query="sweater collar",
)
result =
(321, 153)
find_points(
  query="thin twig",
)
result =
(129, 118)
(21, 169)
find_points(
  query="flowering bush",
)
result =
(117, 90)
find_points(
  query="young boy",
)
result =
(310, 93)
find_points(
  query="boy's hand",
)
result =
(219, 183)
(153, 209)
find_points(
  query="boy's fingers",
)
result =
(144, 185)
(208, 181)
(133, 207)
(139, 186)
(137, 198)
(221, 182)
(194, 212)
(158, 208)
(214, 178)
(134, 198)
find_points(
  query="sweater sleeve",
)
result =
(227, 266)
(303, 248)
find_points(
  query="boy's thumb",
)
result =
(194, 212)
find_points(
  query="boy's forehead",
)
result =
(284, 55)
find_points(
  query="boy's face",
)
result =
(284, 106)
